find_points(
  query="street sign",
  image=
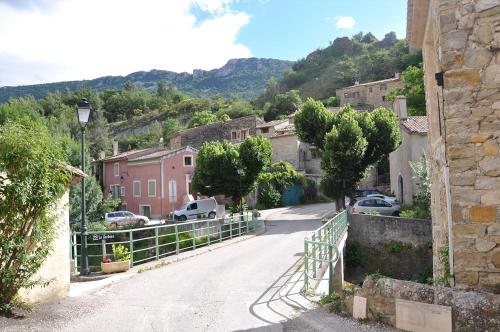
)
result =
(97, 237)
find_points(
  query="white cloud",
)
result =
(345, 22)
(84, 39)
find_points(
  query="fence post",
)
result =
(194, 234)
(314, 254)
(157, 243)
(209, 231)
(231, 227)
(306, 267)
(221, 228)
(131, 239)
(176, 240)
(320, 251)
(75, 252)
(239, 224)
(330, 271)
(246, 227)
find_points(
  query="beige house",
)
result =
(414, 134)
(368, 96)
(462, 84)
(57, 266)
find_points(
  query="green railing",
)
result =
(321, 252)
(154, 242)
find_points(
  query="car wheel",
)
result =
(211, 215)
(113, 225)
(182, 218)
(142, 222)
(395, 213)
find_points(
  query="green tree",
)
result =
(32, 181)
(161, 89)
(349, 142)
(201, 118)
(231, 170)
(282, 105)
(170, 127)
(413, 90)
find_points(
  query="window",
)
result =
(244, 134)
(265, 130)
(172, 191)
(193, 206)
(346, 95)
(315, 153)
(114, 190)
(137, 188)
(122, 191)
(383, 87)
(124, 206)
(188, 161)
(116, 169)
(370, 89)
(383, 98)
(234, 135)
(151, 188)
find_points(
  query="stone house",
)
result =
(368, 96)
(151, 182)
(234, 131)
(462, 85)
(414, 143)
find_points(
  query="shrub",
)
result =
(120, 253)
(269, 197)
(310, 190)
(31, 184)
(418, 211)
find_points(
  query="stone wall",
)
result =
(392, 246)
(218, 131)
(471, 311)
(462, 40)
(370, 94)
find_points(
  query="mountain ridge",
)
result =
(244, 78)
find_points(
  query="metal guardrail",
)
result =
(321, 252)
(152, 243)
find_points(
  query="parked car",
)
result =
(378, 205)
(119, 218)
(200, 207)
(392, 200)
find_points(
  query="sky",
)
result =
(45, 41)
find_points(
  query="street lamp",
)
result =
(83, 114)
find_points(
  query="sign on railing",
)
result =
(152, 243)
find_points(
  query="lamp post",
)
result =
(83, 114)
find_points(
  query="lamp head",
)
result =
(83, 112)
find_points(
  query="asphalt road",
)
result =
(251, 285)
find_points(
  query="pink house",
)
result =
(151, 182)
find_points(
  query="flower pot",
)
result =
(113, 267)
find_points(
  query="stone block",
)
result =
(422, 317)
(491, 74)
(462, 165)
(485, 214)
(490, 166)
(483, 245)
(359, 307)
(491, 198)
(495, 258)
(470, 261)
(472, 230)
(486, 182)
(483, 33)
(454, 40)
(482, 5)
(461, 78)
(467, 278)
(477, 57)
(480, 138)
(490, 148)
(463, 179)
(494, 230)
(461, 151)
(481, 112)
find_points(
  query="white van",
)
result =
(192, 209)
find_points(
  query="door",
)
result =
(192, 210)
(145, 210)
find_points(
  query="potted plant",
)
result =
(120, 263)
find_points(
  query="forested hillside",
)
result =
(242, 78)
(346, 60)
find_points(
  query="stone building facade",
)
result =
(462, 84)
(233, 130)
(368, 96)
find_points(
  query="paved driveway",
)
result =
(251, 285)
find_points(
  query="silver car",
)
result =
(119, 218)
(373, 205)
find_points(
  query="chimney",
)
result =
(397, 75)
(356, 82)
(400, 107)
(115, 148)
(161, 142)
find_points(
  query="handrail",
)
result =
(320, 247)
(158, 241)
